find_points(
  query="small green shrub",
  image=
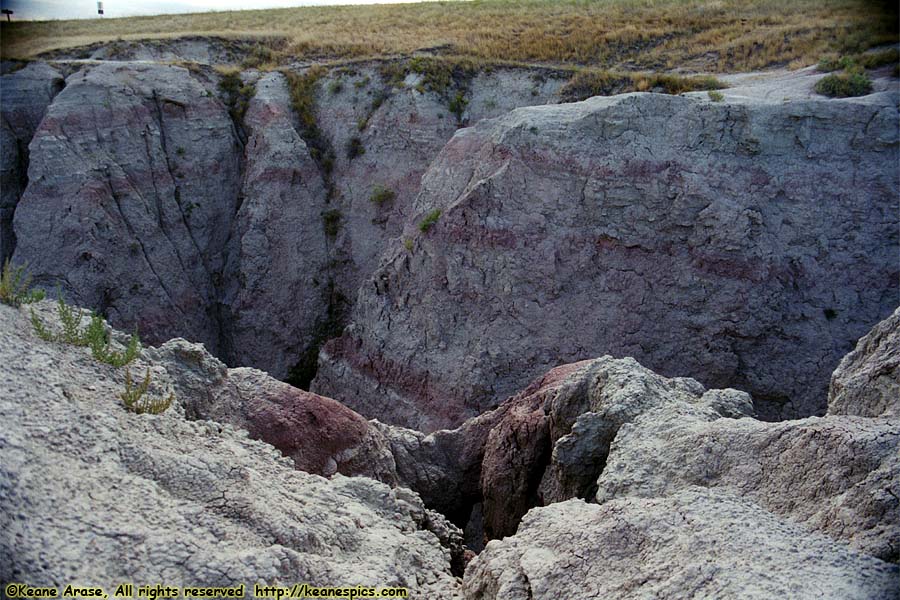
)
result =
(429, 220)
(835, 63)
(715, 96)
(94, 336)
(408, 244)
(237, 95)
(355, 148)
(382, 196)
(335, 87)
(458, 105)
(15, 286)
(844, 85)
(331, 222)
(133, 394)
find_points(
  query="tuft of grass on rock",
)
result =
(237, 95)
(715, 96)
(94, 336)
(331, 222)
(355, 148)
(844, 85)
(133, 397)
(382, 196)
(429, 221)
(303, 89)
(15, 286)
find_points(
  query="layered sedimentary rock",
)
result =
(133, 186)
(94, 494)
(162, 219)
(553, 441)
(276, 286)
(748, 245)
(867, 382)
(836, 475)
(696, 543)
(26, 94)
(398, 128)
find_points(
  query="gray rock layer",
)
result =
(836, 475)
(133, 186)
(93, 494)
(277, 290)
(748, 245)
(867, 382)
(694, 544)
(26, 94)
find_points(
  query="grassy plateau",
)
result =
(711, 36)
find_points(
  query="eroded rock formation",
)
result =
(93, 493)
(26, 94)
(748, 245)
(694, 543)
(133, 186)
(867, 382)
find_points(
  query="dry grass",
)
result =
(717, 35)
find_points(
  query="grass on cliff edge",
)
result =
(715, 36)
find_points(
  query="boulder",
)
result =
(552, 441)
(695, 543)
(867, 381)
(747, 244)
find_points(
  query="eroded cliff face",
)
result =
(745, 244)
(133, 187)
(26, 94)
(174, 209)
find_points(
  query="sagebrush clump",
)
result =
(94, 336)
(15, 286)
(844, 85)
(429, 220)
(133, 397)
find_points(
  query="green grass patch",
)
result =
(429, 221)
(844, 85)
(15, 286)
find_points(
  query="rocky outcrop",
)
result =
(92, 493)
(163, 219)
(867, 382)
(277, 291)
(399, 126)
(696, 543)
(552, 442)
(26, 94)
(746, 244)
(836, 475)
(133, 186)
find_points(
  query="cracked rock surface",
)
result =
(867, 382)
(695, 543)
(26, 94)
(748, 245)
(90, 492)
